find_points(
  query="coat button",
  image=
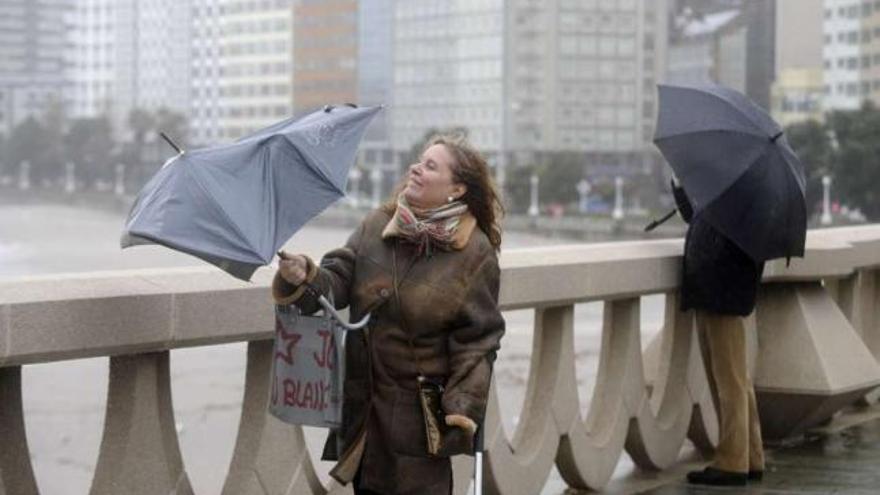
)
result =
(384, 292)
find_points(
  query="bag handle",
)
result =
(330, 309)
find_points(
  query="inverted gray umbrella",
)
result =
(234, 205)
(736, 167)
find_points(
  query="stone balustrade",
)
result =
(815, 350)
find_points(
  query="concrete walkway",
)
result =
(841, 458)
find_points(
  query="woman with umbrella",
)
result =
(425, 266)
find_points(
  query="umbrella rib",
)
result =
(701, 131)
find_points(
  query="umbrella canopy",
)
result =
(736, 167)
(235, 205)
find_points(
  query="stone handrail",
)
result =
(817, 343)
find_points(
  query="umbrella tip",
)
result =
(776, 136)
(171, 142)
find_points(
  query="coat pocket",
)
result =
(408, 425)
(408, 430)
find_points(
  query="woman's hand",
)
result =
(293, 268)
(463, 422)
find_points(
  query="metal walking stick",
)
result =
(478, 461)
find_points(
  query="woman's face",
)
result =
(430, 182)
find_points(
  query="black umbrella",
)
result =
(736, 167)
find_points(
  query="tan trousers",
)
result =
(723, 345)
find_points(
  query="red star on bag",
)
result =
(290, 339)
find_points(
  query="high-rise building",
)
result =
(733, 47)
(33, 59)
(375, 67)
(870, 56)
(528, 78)
(325, 53)
(448, 70)
(163, 54)
(842, 54)
(254, 67)
(798, 90)
(851, 58)
(582, 76)
(130, 54)
(204, 114)
(97, 50)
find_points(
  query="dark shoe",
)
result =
(756, 475)
(717, 477)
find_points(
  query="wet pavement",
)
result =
(842, 458)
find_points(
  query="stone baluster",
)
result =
(811, 362)
(523, 464)
(270, 457)
(139, 449)
(622, 414)
(16, 474)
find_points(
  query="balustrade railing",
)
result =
(817, 343)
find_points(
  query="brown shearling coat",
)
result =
(450, 303)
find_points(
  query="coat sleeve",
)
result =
(334, 275)
(473, 343)
(682, 202)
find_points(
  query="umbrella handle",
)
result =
(651, 226)
(335, 314)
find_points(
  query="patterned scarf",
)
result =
(427, 229)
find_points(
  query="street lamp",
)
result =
(24, 175)
(826, 200)
(583, 189)
(376, 180)
(533, 207)
(354, 178)
(617, 214)
(69, 178)
(119, 184)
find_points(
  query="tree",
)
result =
(52, 158)
(90, 145)
(140, 122)
(857, 165)
(26, 143)
(559, 177)
(811, 142)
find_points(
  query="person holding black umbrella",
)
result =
(742, 192)
(720, 282)
(425, 266)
